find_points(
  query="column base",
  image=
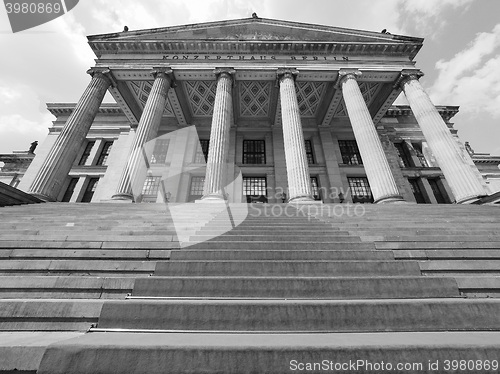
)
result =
(303, 200)
(212, 198)
(390, 200)
(123, 198)
(306, 202)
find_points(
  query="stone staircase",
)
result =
(398, 283)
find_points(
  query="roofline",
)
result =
(97, 37)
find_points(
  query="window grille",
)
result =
(86, 153)
(309, 152)
(254, 152)
(360, 190)
(350, 152)
(103, 157)
(160, 150)
(202, 151)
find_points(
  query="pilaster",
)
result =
(332, 165)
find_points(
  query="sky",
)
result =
(460, 56)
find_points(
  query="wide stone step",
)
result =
(273, 230)
(6, 244)
(461, 266)
(302, 315)
(448, 254)
(46, 253)
(50, 315)
(443, 238)
(287, 268)
(64, 287)
(299, 287)
(281, 245)
(207, 254)
(479, 286)
(325, 238)
(75, 267)
(96, 236)
(436, 245)
(22, 351)
(87, 254)
(156, 353)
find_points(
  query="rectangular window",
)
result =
(196, 188)
(309, 152)
(69, 191)
(438, 191)
(418, 150)
(86, 153)
(255, 189)
(360, 190)
(89, 191)
(202, 152)
(350, 152)
(315, 188)
(417, 190)
(404, 155)
(103, 157)
(254, 152)
(160, 150)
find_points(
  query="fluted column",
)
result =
(56, 166)
(453, 162)
(378, 171)
(297, 169)
(219, 137)
(133, 175)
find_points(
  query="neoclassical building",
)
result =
(255, 110)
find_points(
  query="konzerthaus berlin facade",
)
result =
(255, 110)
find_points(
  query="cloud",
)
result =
(427, 16)
(470, 78)
(7, 94)
(18, 131)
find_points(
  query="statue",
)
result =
(33, 147)
(469, 148)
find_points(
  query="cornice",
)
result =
(58, 109)
(318, 48)
(447, 112)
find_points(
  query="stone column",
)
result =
(133, 175)
(219, 138)
(453, 162)
(378, 171)
(56, 166)
(297, 169)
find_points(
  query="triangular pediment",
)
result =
(255, 29)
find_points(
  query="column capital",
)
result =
(104, 73)
(406, 75)
(164, 72)
(224, 72)
(347, 74)
(286, 73)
